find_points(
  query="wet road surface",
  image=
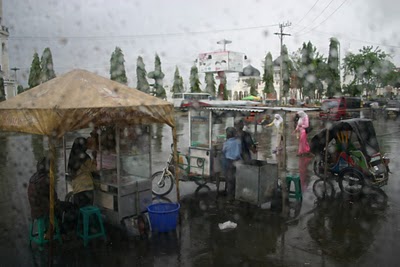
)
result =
(338, 232)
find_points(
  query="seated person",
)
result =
(38, 190)
(80, 168)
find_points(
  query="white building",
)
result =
(9, 83)
(242, 89)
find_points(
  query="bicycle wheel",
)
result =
(323, 189)
(318, 167)
(162, 185)
(351, 181)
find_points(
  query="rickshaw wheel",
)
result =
(317, 167)
(351, 181)
(323, 190)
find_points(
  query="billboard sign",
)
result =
(227, 61)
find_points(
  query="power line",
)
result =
(143, 35)
(326, 18)
(343, 37)
(316, 2)
(316, 17)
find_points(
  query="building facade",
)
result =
(10, 88)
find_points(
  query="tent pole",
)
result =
(175, 142)
(282, 168)
(52, 200)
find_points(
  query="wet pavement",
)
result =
(338, 232)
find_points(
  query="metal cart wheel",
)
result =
(161, 186)
(351, 181)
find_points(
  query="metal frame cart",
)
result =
(207, 134)
(123, 188)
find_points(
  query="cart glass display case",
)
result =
(122, 186)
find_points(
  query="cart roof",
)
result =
(363, 128)
(80, 99)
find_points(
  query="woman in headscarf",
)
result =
(80, 167)
(302, 124)
(278, 122)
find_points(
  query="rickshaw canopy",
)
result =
(81, 99)
(362, 128)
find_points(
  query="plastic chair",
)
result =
(85, 223)
(296, 194)
(38, 228)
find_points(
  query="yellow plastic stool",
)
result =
(296, 194)
(38, 228)
(85, 223)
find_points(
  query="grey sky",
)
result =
(83, 34)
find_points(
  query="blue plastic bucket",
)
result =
(163, 216)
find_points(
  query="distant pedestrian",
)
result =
(278, 123)
(302, 124)
(231, 151)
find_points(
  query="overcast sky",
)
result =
(83, 34)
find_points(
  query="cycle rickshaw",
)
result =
(349, 150)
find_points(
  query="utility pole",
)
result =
(281, 35)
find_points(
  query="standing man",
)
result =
(231, 151)
(246, 139)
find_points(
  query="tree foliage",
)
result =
(311, 70)
(177, 87)
(46, 66)
(222, 93)
(370, 68)
(286, 70)
(253, 84)
(268, 76)
(194, 80)
(141, 74)
(333, 81)
(158, 77)
(34, 73)
(20, 89)
(210, 83)
(117, 66)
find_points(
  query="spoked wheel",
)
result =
(318, 167)
(351, 181)
(162, 185)
(199, 180)
(323, 189)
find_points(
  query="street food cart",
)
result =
(122, 184)
(78, 100)
(207, 134)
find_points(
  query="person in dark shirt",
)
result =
(246, 140)
(231, 151)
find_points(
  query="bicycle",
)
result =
(163, 181)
